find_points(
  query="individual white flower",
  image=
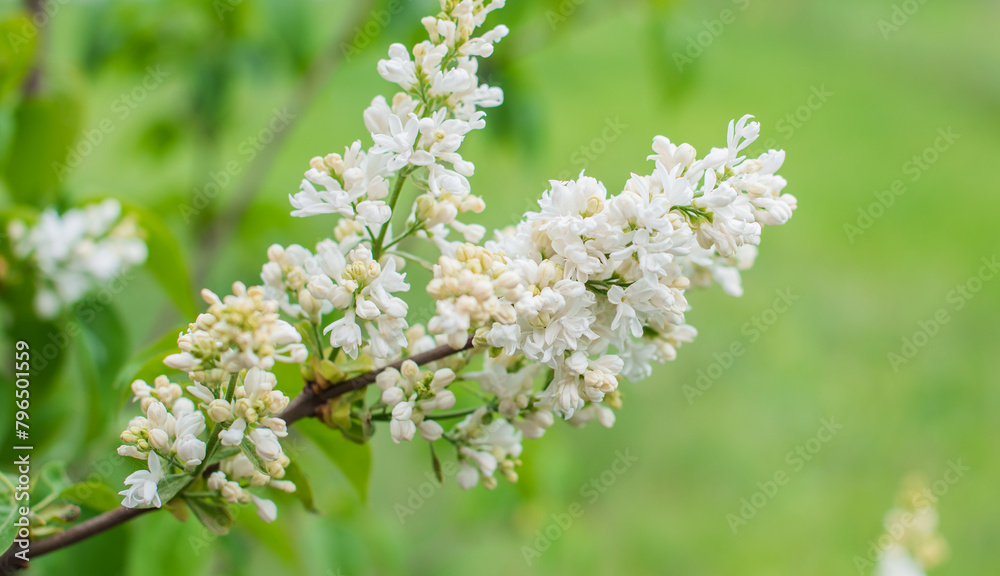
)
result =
(142, 486)
(233, 436)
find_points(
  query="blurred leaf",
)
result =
(94, 495)
(354, 460)
(215, 516)
(223, 452)
(45, 129)
(178, 510)
(8, 511)
(101, 351)
(303, 489)
(171, 485)
(166, 547)
(276, 537)
(51, 481)
(161, 137)
(147, 364)
(166, 262)
(16, 53)
(106, 337)
(288, 21)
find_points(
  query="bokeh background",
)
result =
(852, 89)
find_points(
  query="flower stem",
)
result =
(213, 439)
(377, 249)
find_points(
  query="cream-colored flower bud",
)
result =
(275, 252)
(159, 439)
(219, 410)
(231, 492)
(258, 478)
(276, 425)
(276, 470)
(216, 480)
(335, 162)
(283, 485)
(410, 370)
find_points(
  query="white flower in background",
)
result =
(485, 447)
(76, 251)
(911, 529)
(896, 561)
(142, 486)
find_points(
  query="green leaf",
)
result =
(223, 452)
(436, 463)
(171, 485)
(104, 340)
(147, 364)
(250, 451)
(16, 52)
(41, 155)
(166, 262)
(354, 460)
(303, 489)
(94, 495)
(216, 516)
(8, 511)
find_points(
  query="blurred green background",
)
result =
(851, 94)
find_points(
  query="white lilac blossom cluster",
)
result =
(543, 321)
(76, 251)
(593, 285)
(585, 292)
(416, 136)
(227, 354)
